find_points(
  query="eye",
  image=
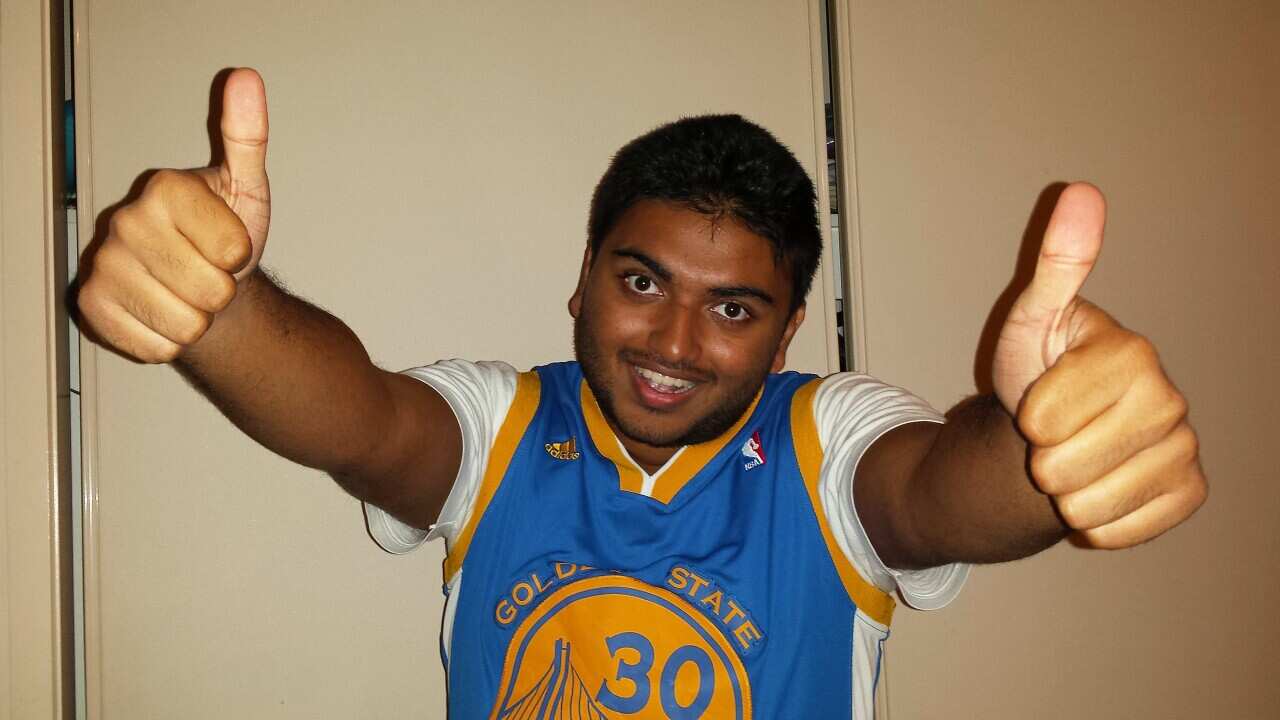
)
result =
(640, 284)
(731, 311)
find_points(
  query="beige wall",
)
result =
(228, 582)
(964, 113)
(35, 624)
(431, 165)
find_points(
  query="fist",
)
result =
(172, 258)
(1108, 432)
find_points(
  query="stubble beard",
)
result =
(706, 428)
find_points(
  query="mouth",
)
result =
(660, 391)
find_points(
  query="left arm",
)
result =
(932, 494)
(1085, 433)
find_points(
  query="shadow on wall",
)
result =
(1024, 269)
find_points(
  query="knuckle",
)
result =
(124, 222)
(165, 261)
(1139, 349)
(128, 340)
(236, 250)
(163, 178)
(221, 290)
(1175, 402)
(176, 321)
(191, 329)
(163, 352)
(89, 298)
(1199, 491)
(201, 324)
(1036, 425)
(1046, 470)
(1071, 512)
(1111, 507)
(165, 187)
(1071, 360)
(1105, 539)
(1194, 492)
(144, 312)
(1186, 443)
(92, 306)
(1138, 496)
(111, 261)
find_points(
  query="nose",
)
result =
(675, 336)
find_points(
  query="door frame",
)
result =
(37, 673)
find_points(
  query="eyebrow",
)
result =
(743, 291)
(654, 266)
(664, 274)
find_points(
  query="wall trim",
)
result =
(36, 649)
(842, 92)
(85, 223)
(826, 268)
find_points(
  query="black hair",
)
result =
(718, 164)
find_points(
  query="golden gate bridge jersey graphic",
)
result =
(560, 694)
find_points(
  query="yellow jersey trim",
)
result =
(672, 479)
(629, 477)
(871, 600)
(523, 407)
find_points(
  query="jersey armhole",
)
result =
(870, 600)
(523, 407)
(852, 412)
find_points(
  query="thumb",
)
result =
(1070, 248)
(244, 127)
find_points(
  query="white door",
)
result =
(431, 166)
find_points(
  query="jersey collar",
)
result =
(670, 478)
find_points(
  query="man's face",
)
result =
(677, 320)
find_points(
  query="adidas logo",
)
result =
(567, 450)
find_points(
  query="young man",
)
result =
(666, 527)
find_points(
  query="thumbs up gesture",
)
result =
(173, 258)
(1108, 433)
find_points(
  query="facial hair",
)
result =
(706, 428)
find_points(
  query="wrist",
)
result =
(227, 324)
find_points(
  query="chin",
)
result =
(699, 428)
(650, 434)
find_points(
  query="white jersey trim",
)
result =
(852, 411)
(868, 653)
(480, 394)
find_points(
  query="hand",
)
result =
(173, 258)
(1108, 431)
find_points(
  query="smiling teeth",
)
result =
(664, 383)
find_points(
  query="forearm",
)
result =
(291, 376)
(971, 498)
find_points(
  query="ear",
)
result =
(793, 324)
(575, 300)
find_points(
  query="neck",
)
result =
(648, 457)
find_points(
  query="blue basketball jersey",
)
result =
(716, 590)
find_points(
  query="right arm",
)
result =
(298, 380)
(176, 280)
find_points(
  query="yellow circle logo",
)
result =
(611, 646)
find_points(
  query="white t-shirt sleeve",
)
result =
(480, 394)
(852, 411)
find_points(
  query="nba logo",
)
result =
(753, 451)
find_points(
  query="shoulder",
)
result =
(456, 376)
(854, 404)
